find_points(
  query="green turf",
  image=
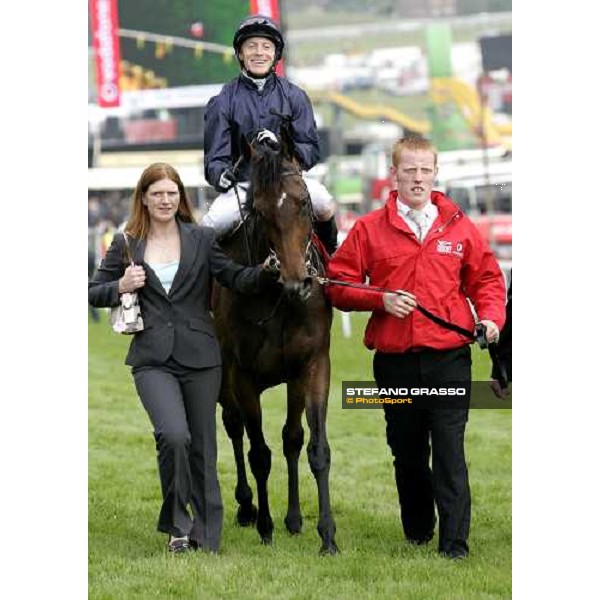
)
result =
(128, 558)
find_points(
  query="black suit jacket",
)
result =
(179, 323)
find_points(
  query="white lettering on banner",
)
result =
(445, 391)
(106, 55)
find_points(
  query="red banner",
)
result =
(105, 25)
(269, 8)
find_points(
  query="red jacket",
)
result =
(453, 264)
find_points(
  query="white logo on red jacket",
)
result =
(445, 247)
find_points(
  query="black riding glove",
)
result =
(227, 179)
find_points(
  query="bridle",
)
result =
(310, 249)
(311, 256)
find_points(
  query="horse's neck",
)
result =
(235, 246)
(258, 238)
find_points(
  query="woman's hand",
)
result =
(271, 267)
(134, 278)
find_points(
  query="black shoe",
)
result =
(457, 551)
(419, 541)
(179, 545)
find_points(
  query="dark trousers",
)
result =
(408, 433)
(181, 404)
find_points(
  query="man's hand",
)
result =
(227, 179)
(268, 137)
(498, 391)
(492, 333)
(399, 305)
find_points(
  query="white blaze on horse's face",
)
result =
(281, 199)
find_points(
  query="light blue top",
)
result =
(165, 272)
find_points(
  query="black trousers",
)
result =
(181, 404)
(409, 432)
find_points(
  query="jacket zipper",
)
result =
(447, 224)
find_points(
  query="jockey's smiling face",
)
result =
(257, 54)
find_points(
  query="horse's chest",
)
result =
(291, 342)
(287, 352)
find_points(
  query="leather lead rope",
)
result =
(478, 336)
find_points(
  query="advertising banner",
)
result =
(105, 25)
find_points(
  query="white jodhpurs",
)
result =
(224, 213)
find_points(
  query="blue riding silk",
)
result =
(240, 109)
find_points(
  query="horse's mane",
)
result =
(267, 164)
(266, 170)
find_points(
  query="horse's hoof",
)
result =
(246, 517)
(293, 524)
(265, 528)
(329, 549)
(267, 540)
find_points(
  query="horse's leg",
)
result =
(234, 425)
(319, 456)
(259, 455)
(293, 440)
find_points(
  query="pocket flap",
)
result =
(201, 325)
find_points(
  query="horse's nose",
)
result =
(292, 288)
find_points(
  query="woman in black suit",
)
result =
(176, 359)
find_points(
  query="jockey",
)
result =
(242, 110)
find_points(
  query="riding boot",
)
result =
(327, 233)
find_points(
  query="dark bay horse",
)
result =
(279, 336)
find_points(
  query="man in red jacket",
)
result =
(420, 242)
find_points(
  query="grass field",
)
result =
(128, 558)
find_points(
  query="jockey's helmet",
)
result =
(259, 26)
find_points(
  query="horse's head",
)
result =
(282, 200)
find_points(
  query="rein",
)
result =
(478, 336)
